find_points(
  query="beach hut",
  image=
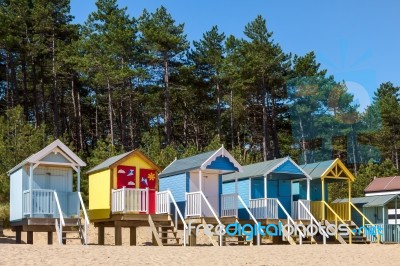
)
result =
(195, 182)
(122, 193)
(267, 189)
(42, 195)
(195, 187)
(325, 173)
(377, 210)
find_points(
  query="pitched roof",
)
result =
(370, 201)
(34, 158)
(199, 161)
(316, 170)
(113, 160)
(264, 168)
(106, 164)
(384, 184)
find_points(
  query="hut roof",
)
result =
(264, 168)
(384, 184)
(370, 201)
(199, 161)
(35, 158)
(110, 162)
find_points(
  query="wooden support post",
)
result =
(349, 184)
(100, 235)
(29, 237)
(50, 238)
(192, 237)
(64, 240)
(18, 234)
(118, 234)
(153, 240)
(323, 198)
(132, 236)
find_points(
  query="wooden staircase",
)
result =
(73, 230)
(355, 239)
(165, 233)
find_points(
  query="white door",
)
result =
(211, 192)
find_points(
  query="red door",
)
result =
(148, 178)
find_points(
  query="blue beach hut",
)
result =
(195, 182)
(42, 194)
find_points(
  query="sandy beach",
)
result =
(73, 254)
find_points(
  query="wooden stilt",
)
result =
(192, 238)
(100, 235)
(118, 234)
(64, 240)
(50, 238)
(132, 234)
(18, 235)
(29, 237)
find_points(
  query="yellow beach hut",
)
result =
(117, 180)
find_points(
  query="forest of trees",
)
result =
(119, 83)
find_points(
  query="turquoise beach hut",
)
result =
(266, 189)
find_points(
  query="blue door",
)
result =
(257, 188)
(285, 197)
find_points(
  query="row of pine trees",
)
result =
(118, 83)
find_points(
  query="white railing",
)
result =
(193, 204)
(86, 221)
(213, 213)
(42, 202)
(252, 217)
(59, 223)
(299, 210)
(264, 208)
(164, 198)
(229, 205)
(162, 202)
(312, 219)
(290, 221)
(130, 200)
(26, 202)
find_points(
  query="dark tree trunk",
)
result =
(167, 117)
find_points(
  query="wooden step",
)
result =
(169, 237)
(172, 244)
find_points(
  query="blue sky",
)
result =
(357, 41)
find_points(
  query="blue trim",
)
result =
(187, 181)
(222, 163)
(219, 193)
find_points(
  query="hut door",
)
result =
(210, 190)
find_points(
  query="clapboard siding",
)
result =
(243, 191)
(177, 185)
(16, 195)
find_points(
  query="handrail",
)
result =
(315, 221)
(87, 221)
(365, 219)
(338, 217)
(178, 211)
(291, 220)
(214, 214)
(252, 217)
(62, 222)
